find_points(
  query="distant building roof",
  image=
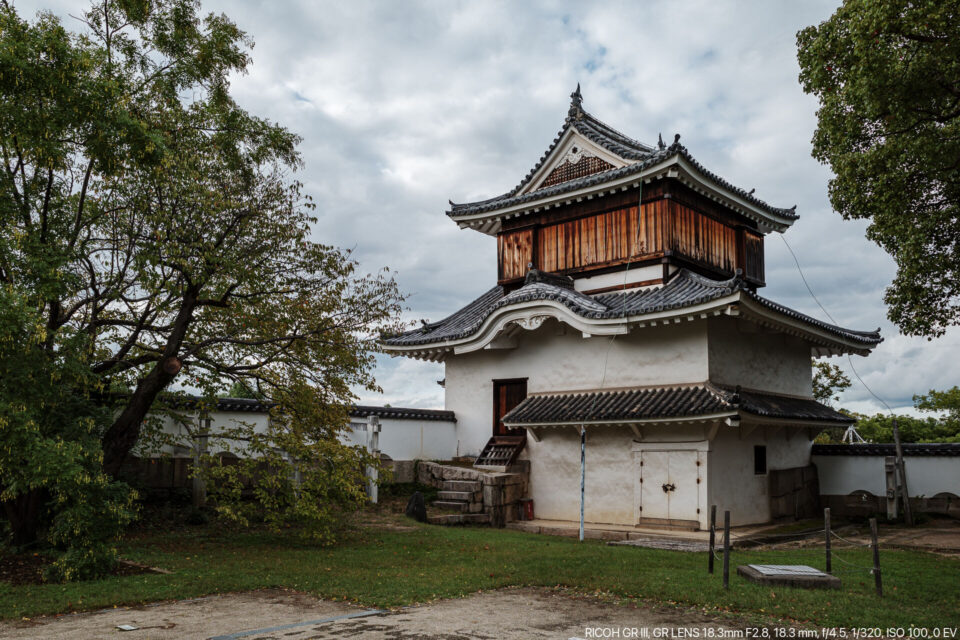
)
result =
(358, 411)
(685, 289)
(884, 449)
(399, 413)
(654, 403)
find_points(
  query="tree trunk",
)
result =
(122, 435)
(23, 514)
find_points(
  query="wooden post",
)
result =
(726, 549)
(826, 540)
(876, 557)
(373, 447)
(713, 536)
(199, 488)
(907, 512)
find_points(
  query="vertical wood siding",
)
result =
(515, 251)
(703, 239)
(612, 237)
(753, 254)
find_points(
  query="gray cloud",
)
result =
(403, 105)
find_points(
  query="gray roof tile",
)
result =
(685, 289)
(888, 449)
(665, 402)
(617, 143)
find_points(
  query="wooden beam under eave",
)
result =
(534, 434)
(746, 429)
(712, 431)
(637, 431)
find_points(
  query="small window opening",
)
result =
(759, 460)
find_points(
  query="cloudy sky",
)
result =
(403, 105)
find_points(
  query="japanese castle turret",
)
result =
(627, 304)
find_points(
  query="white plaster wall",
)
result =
(733, 485)
(409, 439)
(619, 278)
(743, 353)
(926, 476)
(399, 439)
(555, 475)
(219, 421)
(557, 358)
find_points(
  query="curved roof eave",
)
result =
(823, 337)
(486, 215)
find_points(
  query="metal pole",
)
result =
(583, 474)
(826, 532)
(876, 556)
(907, 512)
(713, 536)
(726, 549)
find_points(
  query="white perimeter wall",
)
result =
(926, 475)
(409, 439)
(219, 421)
(399, 439)
(744, 353)
(557, 358)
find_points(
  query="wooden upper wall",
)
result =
(674, 225)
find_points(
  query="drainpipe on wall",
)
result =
(583, 473)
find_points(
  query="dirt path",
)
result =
(507, 613)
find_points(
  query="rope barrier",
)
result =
(799, 535)
(858, 566)
(857, 544)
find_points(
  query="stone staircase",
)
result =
(473, 496)
(465, 498)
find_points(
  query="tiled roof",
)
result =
(643, 156)
(909, 449)
(357, 411)
(685, 289)
(633, 405)
(399, 413)
(243, 404)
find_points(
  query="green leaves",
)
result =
(887, 75)
(829, 381)
(146, 219)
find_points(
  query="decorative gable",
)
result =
(577, 164)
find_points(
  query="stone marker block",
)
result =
(788, 576)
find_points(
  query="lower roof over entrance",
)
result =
(656, 404)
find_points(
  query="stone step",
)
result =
(457, 496)
(459, 518)
(451, 505)
(462, 485)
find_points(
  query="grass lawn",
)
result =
(392, 566)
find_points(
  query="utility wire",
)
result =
(824, 309)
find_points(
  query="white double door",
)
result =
(670, 485)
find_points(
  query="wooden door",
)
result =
(507, 394)
(669, 487)
(654, 472)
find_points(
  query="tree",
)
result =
(51, 451)
(142, 208)
(886, 75)
(943, 402)
(829, 381)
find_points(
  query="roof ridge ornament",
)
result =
(660, 143)
(576, 106)
(676, 142)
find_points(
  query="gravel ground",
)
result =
(503, 614)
